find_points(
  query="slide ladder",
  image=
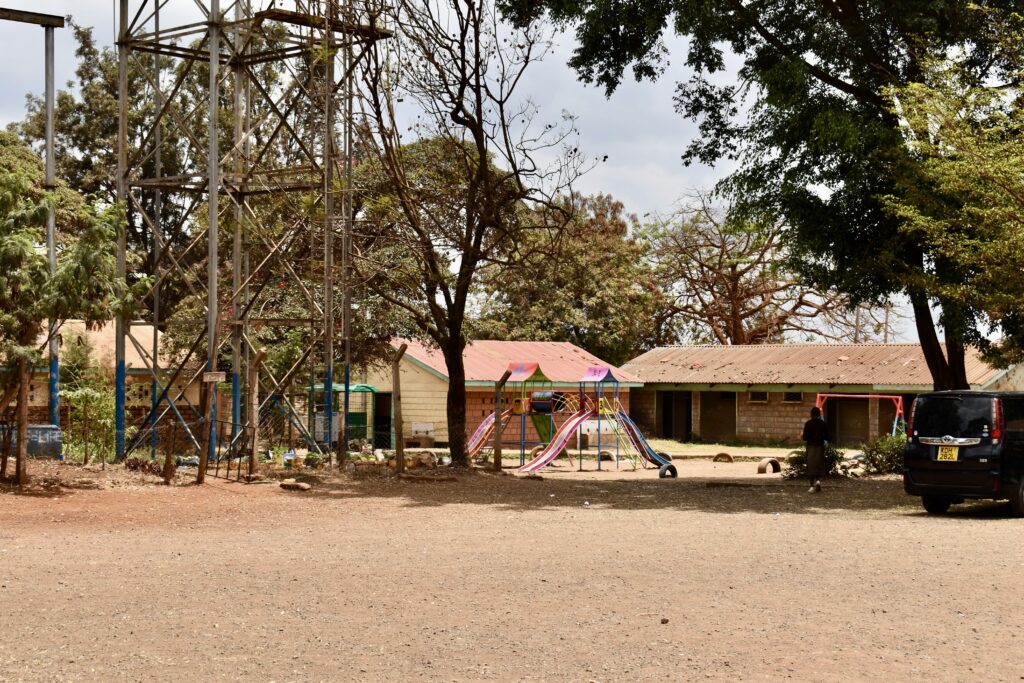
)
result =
(559, 441)
(626, 445)
(640, 443)
(480, 437)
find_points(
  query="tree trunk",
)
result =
(21, 462)
(938, 366)
(957, 360)
(7, 438)
(456, 402)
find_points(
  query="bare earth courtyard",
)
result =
(721, 574)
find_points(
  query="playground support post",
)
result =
(254, 409)
(498, 389)
(396, 397)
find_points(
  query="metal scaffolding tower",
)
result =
(276, 77)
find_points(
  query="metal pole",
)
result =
(122, 197)
(329, 244)
(51, 229)
(157, 237)
(236, 242)
(346, 253)
(213, 189)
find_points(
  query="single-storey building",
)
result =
(764, 393)
(424, 382)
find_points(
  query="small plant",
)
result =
(796, 463)
(884, 455)
(313, 460)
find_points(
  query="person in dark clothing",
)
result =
(814, 436)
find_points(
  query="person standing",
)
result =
(814, 438)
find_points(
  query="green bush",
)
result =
(884, 455)
(796, 463)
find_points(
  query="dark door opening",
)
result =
(382, 420)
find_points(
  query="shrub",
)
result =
(884, 455)
(796, 463)
(136, 464)
(313, 460)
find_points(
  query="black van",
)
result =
(965, 444)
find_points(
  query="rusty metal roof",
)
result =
(486, 361)
(884, 365)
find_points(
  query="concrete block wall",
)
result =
(643, 409)
(775, 420)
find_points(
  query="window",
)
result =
(793, 397)
(758, 397)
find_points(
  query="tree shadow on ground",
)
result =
(703, 494)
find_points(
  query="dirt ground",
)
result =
(721, 574)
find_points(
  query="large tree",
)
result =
(591, 286)
(969, 206)
(450, 197)
(728, 281)
(808, 119)
(81, 286)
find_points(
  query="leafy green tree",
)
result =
(83, 285)
(591, 286)
(969, 207)
(808, 121)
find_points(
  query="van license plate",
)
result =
(948, 453)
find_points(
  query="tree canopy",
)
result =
(590, 286)
(808, 120)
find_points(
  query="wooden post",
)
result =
(21, 459)
(498, 389)
(396, 393)
(85, 431)
(253, 385)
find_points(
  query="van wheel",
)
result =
(936, 505)
(1017, 500)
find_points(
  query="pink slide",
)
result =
(486, 428)
(558, 442)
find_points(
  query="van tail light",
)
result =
(910, 420)
(997, 420)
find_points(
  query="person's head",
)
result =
(815, 411)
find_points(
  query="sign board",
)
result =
(213, 377)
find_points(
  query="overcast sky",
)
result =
(637, 128)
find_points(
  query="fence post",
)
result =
(396, 393)
(498, 389)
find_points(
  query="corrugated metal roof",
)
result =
(828, 364)
(486, 361)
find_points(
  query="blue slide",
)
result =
(640, 443)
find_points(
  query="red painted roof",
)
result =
(486, 361)
(858, 364)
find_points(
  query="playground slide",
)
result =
(484, 431)
(639, 442)
(559, 441)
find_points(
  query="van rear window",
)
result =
(958, 416)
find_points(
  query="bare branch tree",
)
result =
(727, 282)
(454, 158)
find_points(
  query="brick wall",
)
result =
(644, 410)
(772, 421)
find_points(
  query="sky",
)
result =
(637, 127)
